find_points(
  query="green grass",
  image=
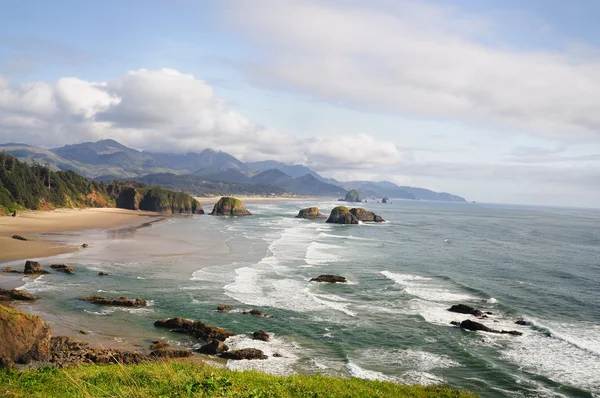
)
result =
(188, 379)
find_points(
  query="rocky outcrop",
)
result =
(23, 337)
(158, 345)
(261, 335)
(66, 351)
(85, 246)
(329, 279)
(103, 273)
(476, 326)
(15, 294)
(384, 200)
(11, 270)
(158, 200)
(523, 322)
(33, 267)
(121, 301)
(224, 308)
(197, 329)
(352, 196)
(365, 215)
(244, 353)
(63, 268)
(228, 206)
(341, 215)
(213, 348)
(466, 309)
(311, 213)
(19, 237)
(167, 353)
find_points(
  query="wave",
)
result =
(282, 365)
(426, 288)
(320, 254)
(356, 371)
(592, 347)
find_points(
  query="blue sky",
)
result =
(493, 100)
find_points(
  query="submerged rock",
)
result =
(522, 322)
(103, 273)
(466, 309)
(33, 267)
(329, 279)
(11, 270)
(23, 338)
(15, 294)
(228, 206)
(311, 213)
(352, 196)
(121, 301)
(223, 308)
(476, 326)
(213, 348)
(63, 268)
(197, 329)
(261, 335)
(244, 353)
(341, 215)
(365, 215)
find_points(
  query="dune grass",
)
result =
(189, 379)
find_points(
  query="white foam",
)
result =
(39, 285)
(283, 365)
(426, 288)
(361, 373)
(491, 301)
(335, 302)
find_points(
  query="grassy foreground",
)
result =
(187, 379)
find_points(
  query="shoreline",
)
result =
(34, 224)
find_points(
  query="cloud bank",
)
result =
(165, 110)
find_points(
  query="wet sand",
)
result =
(30, 224)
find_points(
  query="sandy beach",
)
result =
(29, 224)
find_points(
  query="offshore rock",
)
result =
(329, 279)
(33, 267)
(365, 215)
(224, 308)
(476, 326)
(261, 335)
(213, 348)
(15, 294)
(197, 329)
(341, 215)
(466, 309)
(352, 196)
(228, 206)
(121, 301)
(244, 353)
(63, 268)
(311, 213)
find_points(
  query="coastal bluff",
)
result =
(228, 206)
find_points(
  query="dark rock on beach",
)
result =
(33, 267)
(15, 294)
(121, 301)
(244, 353)
(466, 309)
(261, 335)
(365, 215)
(213, 348)
(228, 206)
(23, 338)
(197, 329)
(341, 215)
(311, 213)
(19, 237)
(329, 279)
(63, 268)
(522, 322)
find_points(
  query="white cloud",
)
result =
(164, 110)
(411, 58)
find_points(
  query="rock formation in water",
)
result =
(23, 338)
(121, 301)
(311, 213)
(224, 308)
(384, 200)
(33, 267)
(476, 326)
(213, 348)
(244, 353)
(465, 309)
(63, 268)
(352, 196)
(329, 279)
(365, 215)
(261, 335)
(15, 294)
(197, 329)
(341, 215)
(228, 206)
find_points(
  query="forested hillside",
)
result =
(36, 187)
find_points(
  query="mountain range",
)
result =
(208, 172)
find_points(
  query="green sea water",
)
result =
(390, 322)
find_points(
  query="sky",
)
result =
(494, 100)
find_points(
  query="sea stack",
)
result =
(365, 215)
(352, 196)
(311, 213)
(228, 206)
(341, 215)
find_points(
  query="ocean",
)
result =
(390, 322)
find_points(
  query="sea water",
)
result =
(390, 322)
